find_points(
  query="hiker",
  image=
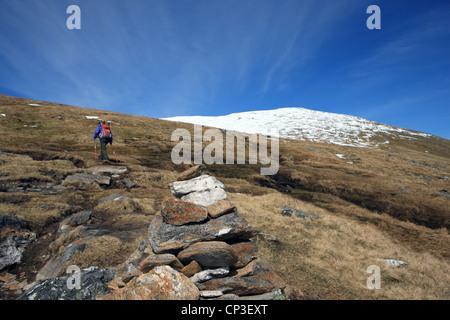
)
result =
(103, 132)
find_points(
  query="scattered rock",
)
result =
(112, 197)
(444, 193)
(15, 236)
(178, 212)
(288, 211)
(55, 267)
(395, 263)
(162, 283)
(127, 183)
(89, 178)
(210, 254)
(110, 170)
(77, 219)
(92, 282)
(44, 188)
(267, 237)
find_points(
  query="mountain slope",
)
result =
(372, 203)
(308, 125)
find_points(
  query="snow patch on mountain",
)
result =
(306, 125)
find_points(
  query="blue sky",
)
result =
(163, 58)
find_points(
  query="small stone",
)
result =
(191, 269)
(162, 283)
(395, 263)
(155, 260)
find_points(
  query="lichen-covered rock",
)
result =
(162, 283)
(89, 178)
(220, 208)
(178, 212)
(92, 282)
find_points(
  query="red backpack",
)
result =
(106, 132)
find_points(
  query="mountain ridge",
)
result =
(307, 125)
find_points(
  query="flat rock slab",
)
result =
(111, 170)
(288, 211)
(210, 254)
(179, 212)
(56, 265)
(89, 178)
(166, 237)
(78, 219)
(262, 279)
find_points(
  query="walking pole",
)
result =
(114, 153)
(95, 148)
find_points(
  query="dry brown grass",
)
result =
(105, 251)
(328, 258)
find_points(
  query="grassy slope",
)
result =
(365, 215)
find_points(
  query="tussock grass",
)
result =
(105, 251)
(122, 206)
(328, 258)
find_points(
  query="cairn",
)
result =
(198, 247)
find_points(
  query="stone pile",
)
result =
(198, 246)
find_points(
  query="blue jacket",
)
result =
(99, 130)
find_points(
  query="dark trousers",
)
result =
(103, 143)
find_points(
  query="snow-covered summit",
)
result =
(307, 125)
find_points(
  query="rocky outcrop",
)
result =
(15, 236)
(93, 282)
(161, 283)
